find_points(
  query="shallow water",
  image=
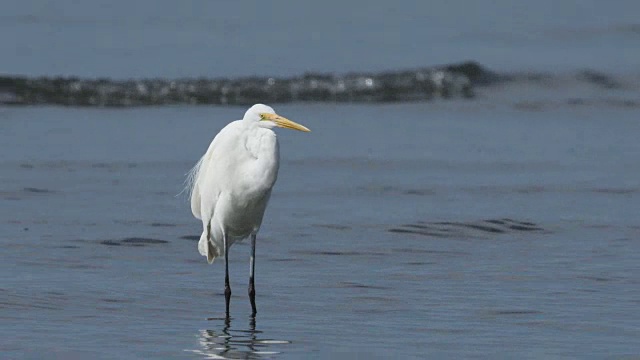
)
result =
(455, 229)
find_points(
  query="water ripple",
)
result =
(133, 241)
(338, 253)
(236, 343)
(454, 229)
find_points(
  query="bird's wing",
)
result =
(196, 176)
(201, 171)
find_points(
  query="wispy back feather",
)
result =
(192, 178)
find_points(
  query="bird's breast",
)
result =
(245, 211)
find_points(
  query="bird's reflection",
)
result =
(236, 343)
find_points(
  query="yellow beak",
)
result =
(283, 122)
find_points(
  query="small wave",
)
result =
(338, 253)
(333, 226)
(159, 224)
(453, 229)
(25, 193)
(514, 312)
(285, 260)
(37, 190)
(615, 191)
(133, 241)
(356, 285)
(25, 300)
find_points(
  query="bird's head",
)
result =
(265, 116)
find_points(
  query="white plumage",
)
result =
(231, 184)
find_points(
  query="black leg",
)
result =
(227, 287)
(252, 288)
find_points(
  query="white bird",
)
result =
(231, 185)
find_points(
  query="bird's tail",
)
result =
(207, 248)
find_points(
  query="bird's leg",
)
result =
(227, 287)
(252, 262)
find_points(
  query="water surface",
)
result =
(454, 229)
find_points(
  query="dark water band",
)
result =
(450, 81)
(457, 80)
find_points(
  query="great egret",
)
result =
(231, 185)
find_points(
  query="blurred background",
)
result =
(123, 39)
(475, 193)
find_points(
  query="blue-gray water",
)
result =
(334, 275)
(500, 227)
(122, 39)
